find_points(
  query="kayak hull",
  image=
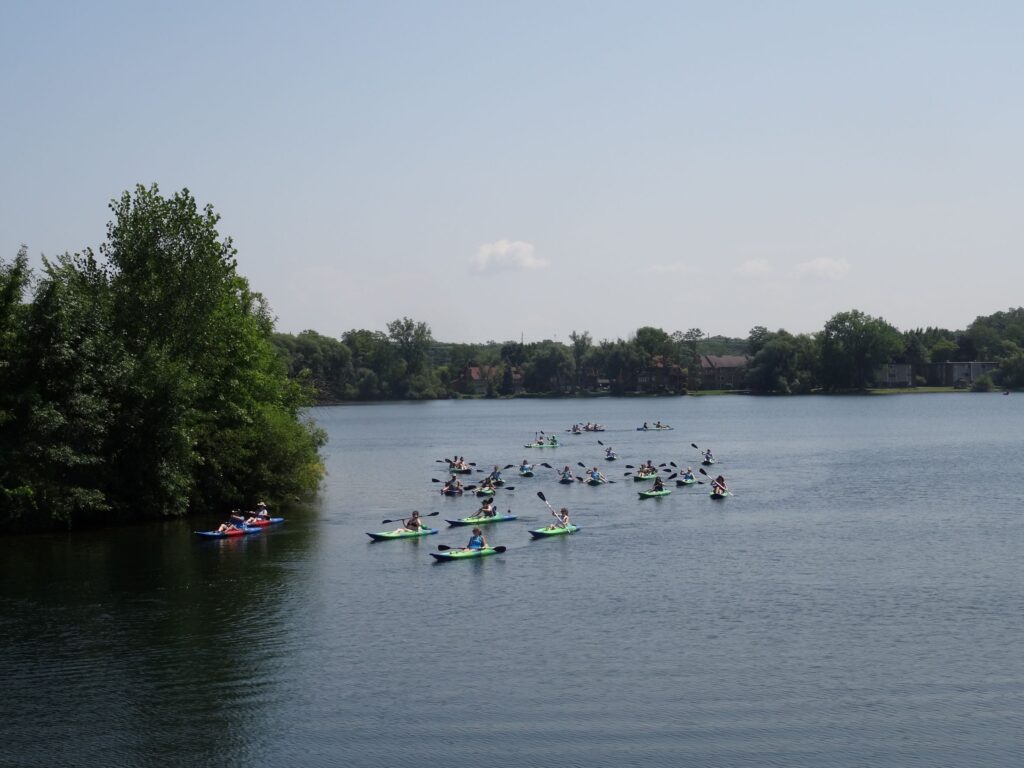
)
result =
(391, 535)
(543, 533)
(227, 534)
(654, 494)
(482, 520)
(641, 478)
(265, 523)
(718, 496)
(463, 554)
(681, 483)
(485, 492)
(566, 481)
(546, 445)
(527, 473)
(653, 429)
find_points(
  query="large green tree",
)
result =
(853, 345)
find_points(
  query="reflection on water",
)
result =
(857, 602)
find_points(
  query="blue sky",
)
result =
(535, 168)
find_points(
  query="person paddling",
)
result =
(412, 523)
(718, 486)
(561, 519)
(567, 473)
(477, 540)
(688, 474)
(486, 509)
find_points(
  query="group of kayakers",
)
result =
(238, 521)
(579, 429)
(656, 425)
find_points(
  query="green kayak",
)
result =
(480, 520)
(400, 534)
(691, 481)
(526, 473)
(541, 445)
(719, 496)
(654, 494)
(484, 491)
(465, 554)
(639, 478)
(554, 530)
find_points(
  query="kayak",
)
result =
(692, 481)
(648, 476)
(592, 481)
(463, 554)
(485, 492)
(228, 534)
(553, 530)
(653, 429)
(526, 473)
(389, 535)
(719, 496)
(707, 463)
(481, 520)
(450, 492)
(541, 445)
(613, 457)
(654, 494)
(265, 522)
(463, 471)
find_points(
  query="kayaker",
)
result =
(225, 527)
(718, 486)
(486, 509)
(657, 425)
(561, 519)
(608, 453)
(648, 468)
(708, 458)
(477, 540)
(413, 523)
(454, 485)
(236, 518)
(553, 440)
(525, 466)
(659, 484)
(645, 425)
(487, 484)
(495, 476)
(261, 510)
(688, 474)
(595, 474)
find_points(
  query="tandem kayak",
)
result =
(465, 554)
(481, 520)
(484, 491)
(540, 445)
(654, 494)
(653, 429)
(646, 476)
(389, 535)
(461, 470)
(228, 534)
(554, 530)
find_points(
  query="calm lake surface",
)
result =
(858, 602)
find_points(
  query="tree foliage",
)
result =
(147, 384)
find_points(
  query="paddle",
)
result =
(445, 548)
(545, 464)
(508, 466)
(629, 466)
(626, 474)
(429, 514)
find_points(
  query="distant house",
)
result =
(894, 375)
(723, 371)
(661, 376)
(474, 379)
(955, 374)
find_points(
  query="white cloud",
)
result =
(824, 268)
(507, 255)
(672, 269)
(753, 268)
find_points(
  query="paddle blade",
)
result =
(629, 466)
(434, 480)
(672, 475)
(626, 474)
(695, 446)
(499, 550)
(541, 496)
(581, 464)
(469, 488)
(431, 514)
(672, 463)
(508, 466)
(545, 464)
(599, 442)
(443, 547)
(703, 471)
(510, 487)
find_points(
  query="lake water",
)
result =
(858, 602)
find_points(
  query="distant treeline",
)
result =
(142, 383)
(405, 362)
